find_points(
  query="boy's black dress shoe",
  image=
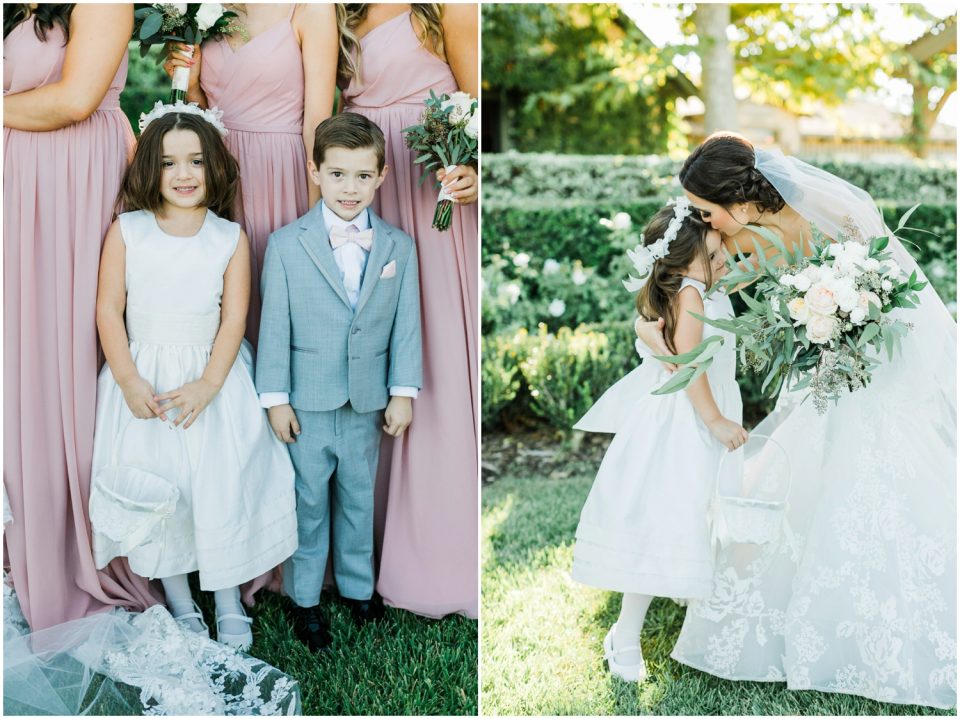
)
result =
(366, 610)
(311, 628)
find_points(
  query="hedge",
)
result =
(550, 177)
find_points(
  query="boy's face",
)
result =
(348, 179)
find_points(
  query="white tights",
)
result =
(180, 601)
(633, 612)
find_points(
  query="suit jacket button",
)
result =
(356, 330)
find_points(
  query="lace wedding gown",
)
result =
(860, 597)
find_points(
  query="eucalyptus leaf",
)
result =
(151, 26)
(680, 380)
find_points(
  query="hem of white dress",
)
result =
(656, 585)
(739, 678)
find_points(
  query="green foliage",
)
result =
(499, 375)
(548, 177)
(146, 83)
(566, 372)
(571, 77)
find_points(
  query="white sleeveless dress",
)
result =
(235, 517)
(644, 526)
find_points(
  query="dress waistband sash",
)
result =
(172, 329)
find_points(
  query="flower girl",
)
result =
(187, 474)
(643, 530)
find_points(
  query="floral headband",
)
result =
(643, 256)
(211, 115)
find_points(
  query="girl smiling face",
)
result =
(716, 258)
(182, 175)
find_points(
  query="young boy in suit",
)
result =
(339, 349)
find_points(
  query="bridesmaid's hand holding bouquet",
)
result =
(446, 138)
(190, 23)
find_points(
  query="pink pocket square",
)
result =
(389, 270)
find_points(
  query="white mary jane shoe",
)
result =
(242, 641)
(183, 620)
(627, 672)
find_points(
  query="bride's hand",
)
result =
(461, 183)
(651, 334)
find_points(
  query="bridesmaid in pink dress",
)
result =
(275, 82)
(428, 561)
(66, 145)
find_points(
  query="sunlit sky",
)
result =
(659, 22)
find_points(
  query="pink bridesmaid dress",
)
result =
(259, 87)
(428, 561)
(58, 200)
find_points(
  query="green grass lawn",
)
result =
(542, 632)
(405, 664)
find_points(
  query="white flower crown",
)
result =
(211, 115)
(643, 256)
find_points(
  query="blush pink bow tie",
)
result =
(340, 237)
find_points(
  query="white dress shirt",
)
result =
(351, 261)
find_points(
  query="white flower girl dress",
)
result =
(234, 515)
(644, 526)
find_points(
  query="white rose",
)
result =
(208, 14)
(891, 268)
(847, 297)
(886, 285)
(820, 328)
(511, 291)
(855, 250)
(551, 266)
(472, 128)
(578, 276)
(802, 282)
(798, 310)
(557, 308)
(180, 7)
(812, 273)
(866, 298)
(870, 264)
(621, 221)
(787, 280)
(858, 315)
(461, 102)
(522, 259)
(821, 300)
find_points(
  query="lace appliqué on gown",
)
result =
(128, 663)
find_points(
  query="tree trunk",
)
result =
(716, 57)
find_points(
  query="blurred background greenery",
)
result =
(146, 83)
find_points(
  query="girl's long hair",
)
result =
(350, 15)
(48, 15)
(721, 170)
(140, 189)
(658, 297)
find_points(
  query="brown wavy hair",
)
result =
(141, 183)
(721, 170)
(658, 297)
(351, 15)
(48, 15)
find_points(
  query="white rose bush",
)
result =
(821, 322)
(190, 23)
(447, 136)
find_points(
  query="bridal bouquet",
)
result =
(811, 321)
(191, 23)
(446, 137)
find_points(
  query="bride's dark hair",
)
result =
(657, 298)
(721, 170)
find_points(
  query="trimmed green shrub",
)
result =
(500, 376)
(599, 178)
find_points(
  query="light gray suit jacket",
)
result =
(316, 348)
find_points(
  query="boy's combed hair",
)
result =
(141, 183)
(658, 297)
(352, 131)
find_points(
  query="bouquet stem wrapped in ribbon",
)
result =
(445, 138)
(190, 23)
(811, 321)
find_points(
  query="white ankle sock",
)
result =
(228, 602)
(633, 612)
(179, 599)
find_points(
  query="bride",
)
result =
(860, 596)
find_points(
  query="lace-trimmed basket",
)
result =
(757, 519)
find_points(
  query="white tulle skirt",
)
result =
(861, 599)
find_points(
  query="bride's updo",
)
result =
(721, 170)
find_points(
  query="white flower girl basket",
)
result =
(129, 504)
(750, 502)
